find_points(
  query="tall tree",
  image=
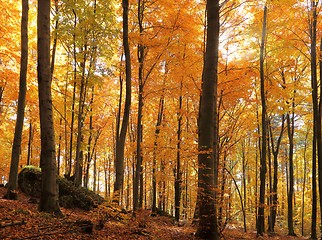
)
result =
(120, 140)
(16, 147)
(207, 228)
(178, 171)
(317, 141)
(49, 189)
(290, 194)
(138, 184)
(261, 218)
(275, 146)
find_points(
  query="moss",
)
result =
(70, 196)
(32, 167)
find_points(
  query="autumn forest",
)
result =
(209, 111)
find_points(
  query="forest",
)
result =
(209, 112)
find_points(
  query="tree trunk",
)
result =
(138, 185)
(59, 148)
(263, 170)
(79, 164)
(155, 145)
(53, 55)
(208, 228)
(49, 192)
(15, 154)
(178, 173)
(89, 143)
(120, 141)
(244, 161)
(30, 141)
(273, 194)
(304, 181)
(71, 139)
(290, 194)
(316, 122)
(137, 190)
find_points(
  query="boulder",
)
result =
(70, 196)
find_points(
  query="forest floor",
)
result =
(21, 220)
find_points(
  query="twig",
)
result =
(3, 225)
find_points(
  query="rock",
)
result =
(70, 196)
(29, 181)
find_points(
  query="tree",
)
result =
(290, 194)
(275, 147)
(49, 192)
(317, 141)
(261, 218)
(138, 177)
(207, 228)
(16, 147)
(120, 138)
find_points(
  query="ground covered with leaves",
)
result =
(21, 220)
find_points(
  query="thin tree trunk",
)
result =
(94, 174)
(178, 173)
(53, 55)
(244, 184)
(274, 196)
(59, 148)
(290, 130)
(89, 143)
(30, 142)
(263, 168)
(80, 121)
(155, 146)
(15, 154)
(304, 181)
(316, 151)
(71, 139)
(120, 141)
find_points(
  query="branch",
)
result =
(19, 223)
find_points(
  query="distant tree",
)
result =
(49, 191)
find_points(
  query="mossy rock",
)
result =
(70, 196)
(29, 181)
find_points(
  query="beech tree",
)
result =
(120, 137)
(263, 168)
(49, 190)
(207, 228)
(317, 141)
(16, 147)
